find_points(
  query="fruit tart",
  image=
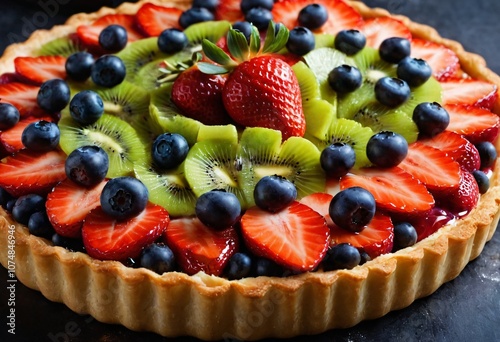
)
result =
(244, 169)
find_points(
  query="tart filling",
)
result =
(322, 263)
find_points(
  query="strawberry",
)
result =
(199, 96)
(320, 203)
(27, 172)
(89, 34)
(229, 10)
(341, 16)
(296, 237)
(375, 239)
(23, 97)
(433, 167)
(469, 92)
(40, 69)
(9, 77)
(11, 138)
(199, 248)
(460, 201)
(443, 61)
(378, 29)
(261, 90)
(431, 222)
(475, 124)
(458, 148)
(153, 19)
(105, 238)
(394, 190)
(68, 204)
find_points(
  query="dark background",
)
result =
(465, 309)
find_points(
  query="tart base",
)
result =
(211, 308)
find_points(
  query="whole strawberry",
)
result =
(262, 90)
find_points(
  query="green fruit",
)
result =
(228, 133)
(211, 30)
(120, 140)
(64, 46)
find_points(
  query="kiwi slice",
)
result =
(350, 132)
(212, 164)
(118, 138)
(165, 117)
(323, 40)
(318, 113)
(168, 189)
(228, 133)
(64, 46)
(262, 154)
(211, 30)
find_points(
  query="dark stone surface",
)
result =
(465, 309)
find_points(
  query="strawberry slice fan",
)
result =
(248, 170)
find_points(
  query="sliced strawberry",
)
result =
(462, 200)
(296, 237)
(341, 16)
(475, 124)
(199, 248)
(457, 147)
(27, 172)
(153, 19)
(11, 138)
(320, 203)
(431, 222)
(443, 61)
(89, 34)
(375, 239)
(68, 204)
(105, 238)
(394, 189)
(229, 10)
(378, 29)
(433, 167)
(23, 97)
(469, 92)
(9, 77)
(40, 69)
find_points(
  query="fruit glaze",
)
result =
(170, 167)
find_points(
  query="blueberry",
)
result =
(431, 118)
(172, 40)
(392, 92)
(169, 150)
(386, 149)
(365, 257)
(10, 204)
(158, 258)
(266, 268)
(218, 209)
(41, 136)
(487, 153)
(247, 5)
(71, 244)
(274, 193)
(405, 235)
(124, 197)
(239, 266)
(195, 15)
(337, 159)
(259, 17)
(394, 49)
(482, 180)
(9, 116)
(78, 66)
(27, 205)
(53, 95)
(352, 208)
(210, 5)
(244, 27)
(341, 256)
(86, 107)
(313, 16)
(4, 197)
(350, 42)
(87, 165)
(300, 41)
(108, 71)
(345, 79)
(414, 71)
(113, 38)
(39, 225)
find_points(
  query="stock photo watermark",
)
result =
(11, 280)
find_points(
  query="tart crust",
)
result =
(212, 308)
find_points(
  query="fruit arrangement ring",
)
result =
(172, 168)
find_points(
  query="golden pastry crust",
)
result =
(211, 308)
